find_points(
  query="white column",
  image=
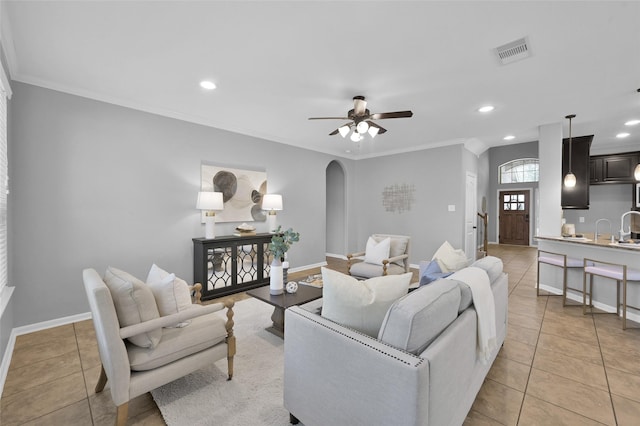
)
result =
(550, 183)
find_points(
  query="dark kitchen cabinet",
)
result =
(612, 168)
(578, 196)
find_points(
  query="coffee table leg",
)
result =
(278, 322)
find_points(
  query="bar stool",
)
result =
(621, 273)
(561, 261)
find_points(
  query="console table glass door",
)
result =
(230, 264)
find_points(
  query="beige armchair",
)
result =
(132, 370)
(397, 263)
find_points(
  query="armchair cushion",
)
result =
(360, 305)
(377, 251)
(171, 293)
(134, 303)
(368, 270)
(203, 332)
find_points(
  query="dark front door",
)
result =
(514, 217)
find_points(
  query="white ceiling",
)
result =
(278, 63)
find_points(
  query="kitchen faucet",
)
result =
(597, 222)
(622, 233)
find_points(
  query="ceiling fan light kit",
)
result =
(362, 120)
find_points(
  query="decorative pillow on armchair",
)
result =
(376, 252)
(171, 293)
(134, 303)
(360, 305)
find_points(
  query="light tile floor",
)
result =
(557, 367)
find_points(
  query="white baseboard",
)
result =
(337, 256)
(302, 268)
(6, 360)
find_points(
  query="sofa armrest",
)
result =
(336, 375)
(173, 319)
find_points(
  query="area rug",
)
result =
(253, 397)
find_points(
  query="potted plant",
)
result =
(280, 244)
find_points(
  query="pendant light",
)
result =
(570, 178)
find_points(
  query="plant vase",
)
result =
(276, 286)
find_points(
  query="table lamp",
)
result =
(210, 202)
(272, 203)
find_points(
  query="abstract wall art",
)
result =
(242, 191)
(398, 198)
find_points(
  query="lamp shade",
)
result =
(210, 201)
(272, 202)
(636, 172)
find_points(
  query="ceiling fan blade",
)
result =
(381, 129)
(335, 132)
(397, 114)
(359, 105)
(329, 118)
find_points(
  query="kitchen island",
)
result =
(604, 290)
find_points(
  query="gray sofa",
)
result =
(337, 376)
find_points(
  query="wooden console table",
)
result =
(230, 264)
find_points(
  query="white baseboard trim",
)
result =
(302, 268)
(25, 329)
(6, 360)
(337, 256)
(578, 298)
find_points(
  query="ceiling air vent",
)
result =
(514, 51)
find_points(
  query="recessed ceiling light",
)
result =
(632, 122)
(486, 108)
(509, 138)
(206, 84)
(348, 151)
(622, 135)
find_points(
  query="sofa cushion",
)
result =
(134, 303)
(203, 332)
(171, 293)
(491, 265)
(430, 271)
(450, 259)
(415, 320)
(360, 305)
(377, 251)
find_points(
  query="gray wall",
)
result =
(438, 176)
(93, 184)
(498, 156)
(605, 201)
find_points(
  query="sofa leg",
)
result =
(293, 419)
(102, 380)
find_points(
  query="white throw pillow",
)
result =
(171, 293)
(134, 303)
(376, 252)
(360, 305)
(450, 259)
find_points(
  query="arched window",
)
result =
(520, 170)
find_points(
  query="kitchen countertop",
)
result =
(588, 241)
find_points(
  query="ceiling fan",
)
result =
(362, 120)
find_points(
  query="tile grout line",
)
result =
(604, 366)
(524, 396)
(84, 377)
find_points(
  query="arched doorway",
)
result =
(335, 209)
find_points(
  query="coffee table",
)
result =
(281, 302)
